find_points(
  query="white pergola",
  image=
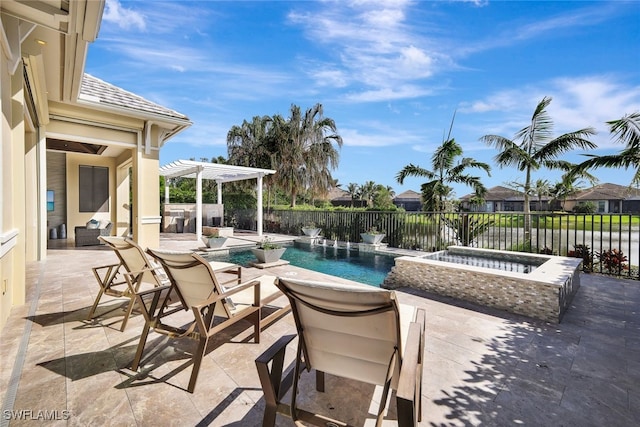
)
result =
(220, 173)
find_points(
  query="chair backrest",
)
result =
(132, 257)
(192, 276)
(348, 330)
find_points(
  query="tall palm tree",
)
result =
(445, 171)
(306, 154)
(251, 145)
(533, 147)
(625, 131)
(246, 144)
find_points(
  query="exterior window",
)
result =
(94, 189)
(601, 206)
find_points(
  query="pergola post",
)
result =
(199, 203)
(219, 188)
(166, 191)
(259, 208)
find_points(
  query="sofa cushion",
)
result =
(93, 224)
(104, 223)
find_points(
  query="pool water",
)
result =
(362, 267)
(503, 264)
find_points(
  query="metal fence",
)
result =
(608, 243)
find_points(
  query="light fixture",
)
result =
(41, 42)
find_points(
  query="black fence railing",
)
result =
(608, 243)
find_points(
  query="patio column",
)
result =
(259, 209)
(219, 188)
(199, 203)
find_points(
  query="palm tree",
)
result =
(569, 185)
(367, 191)
(541, 188)
(305, 154)
(247, 143)
(445, 171)
(354, 191)
(533, 147)
(625, 131)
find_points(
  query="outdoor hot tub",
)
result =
(538, 286)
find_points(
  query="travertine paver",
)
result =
(482, 367)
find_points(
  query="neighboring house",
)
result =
(503, 199)
(607, 198)
(340, 197)
(409, 200)
(88, 148)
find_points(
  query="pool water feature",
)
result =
(363, 267)
(543, 293)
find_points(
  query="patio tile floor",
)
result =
(482, 366)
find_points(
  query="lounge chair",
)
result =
(352, 331)
(114, 280)
(213, 306)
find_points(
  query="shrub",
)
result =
(583, 251)
(586, 207)
(613, 260)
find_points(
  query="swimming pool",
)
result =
(364, 267)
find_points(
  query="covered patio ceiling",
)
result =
(217, 172)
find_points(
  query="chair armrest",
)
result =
(409, 390)
(229, 292)
(270, 366)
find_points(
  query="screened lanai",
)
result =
(220, 173)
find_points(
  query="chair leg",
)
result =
(197, 361)
(319, 381)
(95, 304)
(132, 303)
(141, 344)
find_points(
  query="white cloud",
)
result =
(379, 135)
(371, 47)
(124, 18)
(577, 103)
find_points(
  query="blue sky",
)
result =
(390, 73)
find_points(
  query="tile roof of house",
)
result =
(100, 92)
(338, 194)
(408, 195)
(607, 191)
(498, 193)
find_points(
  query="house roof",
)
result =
(607, 191)
(96, 91)
(338, 194)
(498, 193)
(408, 195)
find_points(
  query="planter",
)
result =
(372, 239)
(311, 231)
(268, 255)
(214, 242)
